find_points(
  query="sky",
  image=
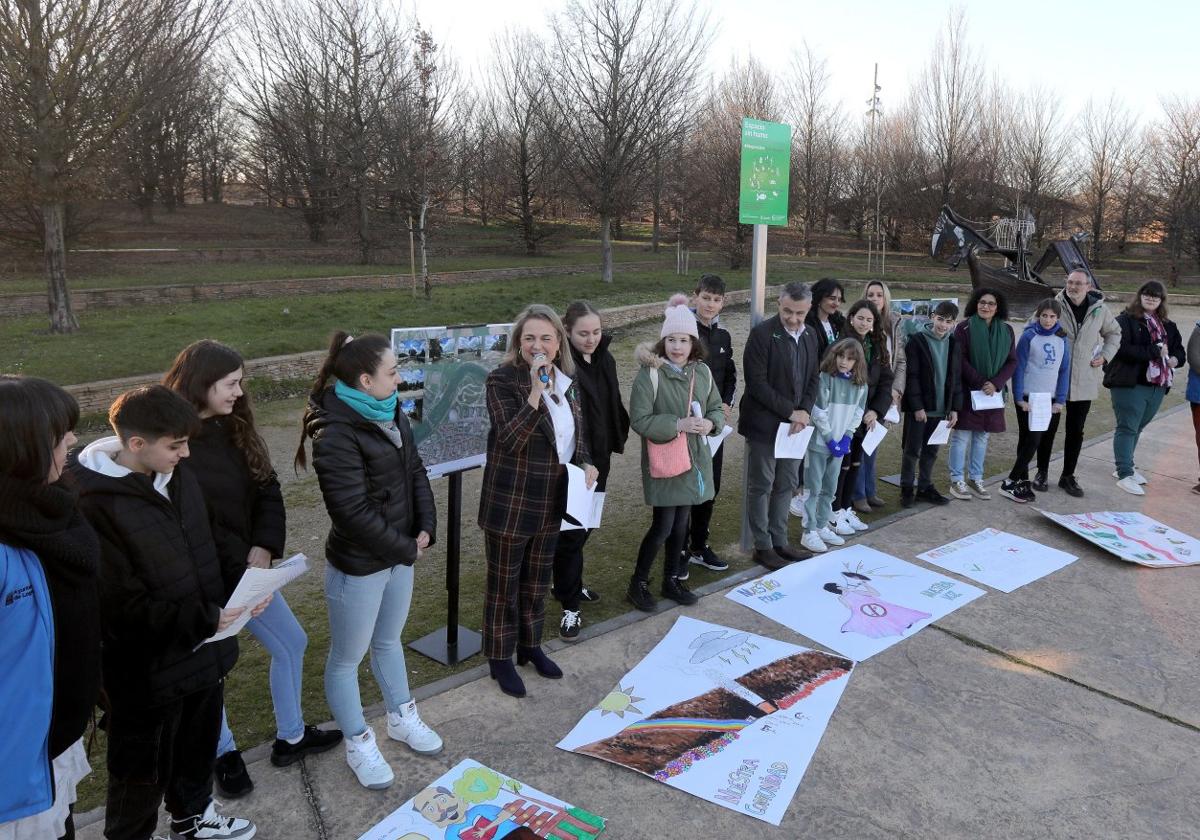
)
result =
(1140, 51)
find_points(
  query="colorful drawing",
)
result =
(474, 802)
(888, 599)
(1133, 537)
(732, 718)
(997, 559)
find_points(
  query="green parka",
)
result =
(654, 418)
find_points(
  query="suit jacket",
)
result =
(524, 485)
(767, 370)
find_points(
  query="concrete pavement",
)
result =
(1069, 708)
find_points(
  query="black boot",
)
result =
(541, 663)
(677, 591)
(506, 675)
(230, 776)
(639, 595)
(907, 496)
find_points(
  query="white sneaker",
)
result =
(842, 526)
(1130, 485)
(1137, 476)
(212, 826)
(796, 506)
(854, 522)
(406, 726)
(813, 542)
(959, 490)
(368, 764)
(830, 537)
(976, 487)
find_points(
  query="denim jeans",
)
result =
(1134, 409)
(865, 482)
(284, 638)
(961, 443)
(366, 612)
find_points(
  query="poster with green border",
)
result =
(766, 166)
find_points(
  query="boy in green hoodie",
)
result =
(932, 393)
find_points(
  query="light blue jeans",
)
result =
(366, 612)
(284, 638)
(967, 445)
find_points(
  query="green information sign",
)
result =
(766, 163)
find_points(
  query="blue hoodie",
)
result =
(27, 659)
(1043, 364)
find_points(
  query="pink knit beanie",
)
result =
(679, 318)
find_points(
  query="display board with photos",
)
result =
(920, 310)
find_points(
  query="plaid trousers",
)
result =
(518, 578)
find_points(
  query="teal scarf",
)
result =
(378, 411)
(989, 345)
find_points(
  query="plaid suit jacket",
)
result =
(524, 485)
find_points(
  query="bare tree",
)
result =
(64, 80)
(815, 124)
(1106, 132)
(621, 70)
(1175, 167)
(1040, 153)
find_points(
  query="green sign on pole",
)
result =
(766, 163)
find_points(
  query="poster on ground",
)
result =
(474, 802)
(997, 559)
(857, 600)
(727, 716)
(1134, 537)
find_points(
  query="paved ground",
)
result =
(1067, 709)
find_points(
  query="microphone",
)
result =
(540, 361)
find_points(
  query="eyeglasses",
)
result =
(1148, 296)
(990, 304)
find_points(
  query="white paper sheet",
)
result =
(1039, 412)
(255, 586)
(1000, 560)
(893, 415)
(982, 402)
(873, 438)
(714, 443)
(941, 434)
(789, 445)
(580, 500)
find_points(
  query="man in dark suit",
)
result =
(781, 368)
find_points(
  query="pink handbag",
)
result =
(668, 460)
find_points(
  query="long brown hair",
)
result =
(347, 359)
(35, 415)
(195, 370)
(1152, 287)
(878, 334)
(846, 347)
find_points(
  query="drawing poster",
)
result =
(1000, 560)
(726, 716)
(857, 600)
(474, 802)
(1132, 537)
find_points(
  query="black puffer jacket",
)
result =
(1128, 368)
(162, 585)
(719, 345)
(606, 422)
(377, 496)
(245, 512)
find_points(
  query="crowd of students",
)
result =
(116, 560)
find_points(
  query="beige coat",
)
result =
(1099, 329)
(895, 331)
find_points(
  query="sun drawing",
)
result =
(618, 702)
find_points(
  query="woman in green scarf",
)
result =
(987, 365)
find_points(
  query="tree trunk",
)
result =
(425, 253)
(658, 188)
(364, 228)
(606, 260)
(62, 319)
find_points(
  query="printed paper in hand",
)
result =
(1002, 561)
(1039, 412)
(792, 446)
(580, 500)
(714, 443)
(940, 435)
(893, 415)
(873, 438)
(982, 402)
(255, 586)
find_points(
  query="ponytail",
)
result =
(347, 359)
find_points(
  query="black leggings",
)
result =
(668, 525)
(1076, 412)
(851, 464)
(1027, 445)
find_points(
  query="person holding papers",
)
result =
(537, 428)
(675, 404)
(988, 360)
(382, 518)
(230, 460)
(607, 430)
(1043, 367)
(780, 369)
(163, 585)
(932, 395)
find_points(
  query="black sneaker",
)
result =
(212, 826)
(930, 494)
(589, 595)
(1039, 482)
(677, 591)
(907, 497)
(314, 741)
(230, 776)
(707, 558)
(1011, 488)
(568, 628)
(1070, 486)
(639, 594)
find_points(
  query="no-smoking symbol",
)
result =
(873, 610)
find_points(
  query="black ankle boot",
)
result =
(506, 675)
(541, 663)
(677, 591)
